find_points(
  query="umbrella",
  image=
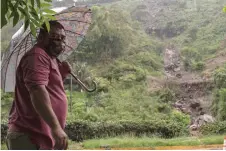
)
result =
(76, 21)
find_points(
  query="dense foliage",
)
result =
(214, 128)
(219, 104)
(33, 13)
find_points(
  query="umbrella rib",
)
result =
(26, 44)
(19, 50)
(21, 41)
(74, 33)
(74, 20)
(70, 47)
(8, 61)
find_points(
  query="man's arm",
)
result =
(65, 68)
(41, 102)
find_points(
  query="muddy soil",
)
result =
(193, 92)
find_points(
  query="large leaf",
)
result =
(26, 24)
(50, 17)
(35, 22)
(3, 13)
(49, 11)
(10, 6)
(22, 11)
(34, 13)
(33, 29)
(32, 3)
(3, 21)
(44, 5)
(38, 3)
(16, 5)
(47, 25)
(16, 18)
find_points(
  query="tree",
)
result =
(33, 13)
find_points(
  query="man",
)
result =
(38, 114)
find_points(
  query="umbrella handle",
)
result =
(81, 83)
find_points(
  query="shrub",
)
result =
(79, 131)
(82, 130)
(219, 77)
(198, 66)
(167, 96)
(218, 127)
(219, 104)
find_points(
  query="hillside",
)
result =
(154, 57)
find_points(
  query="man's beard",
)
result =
(55, 48)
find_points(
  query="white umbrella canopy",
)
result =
(76, 21)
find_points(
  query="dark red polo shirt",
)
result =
(38, 68)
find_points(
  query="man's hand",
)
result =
(61, 139)
(67, 66)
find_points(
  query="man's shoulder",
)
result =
(37, 51)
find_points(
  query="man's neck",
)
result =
(41, 45)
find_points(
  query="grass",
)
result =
(125, 142)
(144, 142)
(3, 147)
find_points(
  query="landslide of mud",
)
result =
(193, 92)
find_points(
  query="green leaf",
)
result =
(33, 29)
(22, 11)
(16, 5)
(224, 9)
(47, 25)
(48, 0)
(50, 17)
(4, 10)
(49, 11)
(8, 14)
(27, 22)
(11, 15)
(3, 21)
(38, 3)
(43, 5)
(16, 18)
(34, 13)
(32, 3)
(10, 6)
(21, 16)
(22, 2)
(35, 16)
(35, 22)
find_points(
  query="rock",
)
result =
(202, 120)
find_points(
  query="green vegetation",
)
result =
(6, 102)
(218, 127)
(165, 128)
(219, 105)
(130, 142)
(31, 12)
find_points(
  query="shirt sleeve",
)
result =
(36, 69)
